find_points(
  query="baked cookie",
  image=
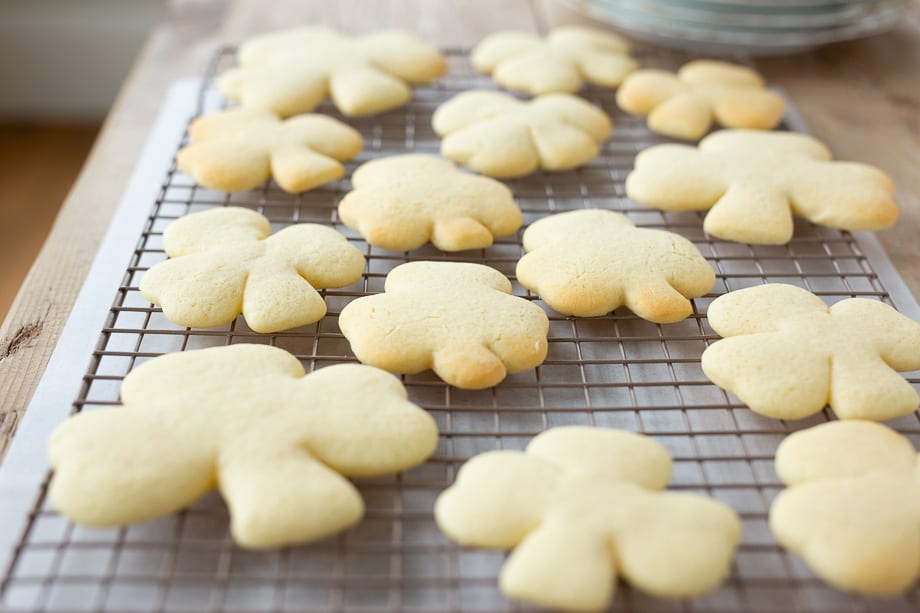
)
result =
(685, 105)
(456, 318)
(590, 262)
(754, 182)
(852, 508)
(581, 506)
(223, 262)
(237, 150)
(292, 71)
(404, 201)
(242, 418)
(568, 57)
(498, 135)
(787, 355)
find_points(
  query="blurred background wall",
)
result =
(61, 65)
(65, 59)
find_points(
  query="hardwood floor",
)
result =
(38, 164)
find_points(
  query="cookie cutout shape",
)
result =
(405, 201)
(292, 71)
(223, 262)
(562, 62)
(685, 105)
(588, 263)
(582, 505)
(787, 355)
(754, 182)
(498, 135)
(455, 318)
(852, 506)
(237, 150)
(242, 418)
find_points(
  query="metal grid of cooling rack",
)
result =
(612, 371)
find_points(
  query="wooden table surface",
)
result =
(861, 98)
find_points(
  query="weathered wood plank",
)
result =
(861, 98)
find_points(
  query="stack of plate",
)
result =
(754, 27)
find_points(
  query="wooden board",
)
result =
(860, 98)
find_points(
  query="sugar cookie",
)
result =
(590, 262)
(242, 418)
(563, 61)
(685, 105)
(581, 506)
(852, 505)
(223, 262)
(292, 71)
(787, 355)
(405, 201)
(754, 182)
(456, 318)
(498, 135)
(237, 150)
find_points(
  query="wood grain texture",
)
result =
(861, 98)
(179, 47)
(445, 23)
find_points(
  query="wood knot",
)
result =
(22, 338)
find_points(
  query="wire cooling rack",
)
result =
(613, 371)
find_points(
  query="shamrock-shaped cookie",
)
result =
(498, 135)
(581, 506)
(456, 318)
(223, 262)
(686, 104)
(244, 419)
(590, 262)
(292, 71)
(561, 62)
(754, 182)
(852, 506)
(787, 355)
(402, 202)
(238, 149)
